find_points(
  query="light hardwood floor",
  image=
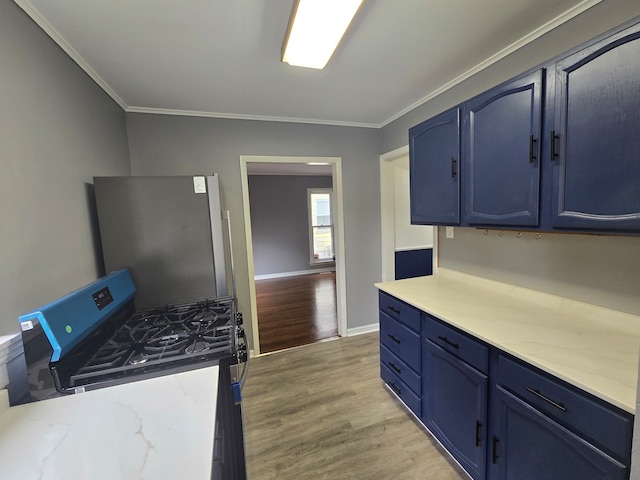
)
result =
(321, 412)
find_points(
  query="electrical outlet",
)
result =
(449, 232)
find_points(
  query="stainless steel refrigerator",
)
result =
(168, 231)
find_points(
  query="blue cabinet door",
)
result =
(527, 445)
(502, 159)
(434, 153)
(595, 144)
(454, 409)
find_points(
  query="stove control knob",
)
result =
(240, 332)
(242, 353)
(239, 320)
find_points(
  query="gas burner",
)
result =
(137, 359)
(175, 332)
(197, 346)
(198, 317)
(170, 338)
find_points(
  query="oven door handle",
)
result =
(227, 217)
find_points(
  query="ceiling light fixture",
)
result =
(315, 29)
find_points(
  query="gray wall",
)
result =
(173, 145)
(280, 221)
(602, 270)
(597, 269)
(57, 130)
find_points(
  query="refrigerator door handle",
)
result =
(232, 270)
(215, 212)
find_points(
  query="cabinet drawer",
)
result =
(604, 425)
(401, 341)
(459, 344)
(401, 369)
(400, 311)
(407, 395)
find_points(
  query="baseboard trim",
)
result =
(374, 327)
(294, 274)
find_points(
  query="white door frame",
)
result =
(387, 214)
(339, 250)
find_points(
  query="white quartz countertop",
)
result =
(161, 428)
(593, 348)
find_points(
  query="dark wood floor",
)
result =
(294, 311)
(321, 412)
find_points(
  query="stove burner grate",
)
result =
(152, 338)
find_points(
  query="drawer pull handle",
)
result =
(395, 388)
(554, 138)
(454, 170)
(494, 449)
(478, 427)
(449, 342)
(394, 310)
(559, 406)
(532, 150)
(393, 365)
(395, 339)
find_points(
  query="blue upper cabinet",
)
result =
(595, 143)
(501, 167)
(434, 152)
(555, 149)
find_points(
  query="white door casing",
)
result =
(339, 246)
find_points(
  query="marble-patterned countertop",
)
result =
(593, 348)
(161, 428)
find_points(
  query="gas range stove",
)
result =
(94, 337)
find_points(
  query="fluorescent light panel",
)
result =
(315, 29)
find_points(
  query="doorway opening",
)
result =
(293, 301)
(397, 234)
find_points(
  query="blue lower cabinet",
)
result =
(408, 376)
(455, 407)
(528, 445)
(498, 416)
(408, 396)
(606, 427)
(400, 340)
(400, 355)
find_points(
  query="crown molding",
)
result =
(42, 22)
(521, 42)
(234, 116)
(69, 50)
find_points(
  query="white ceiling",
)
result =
(222, 57)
